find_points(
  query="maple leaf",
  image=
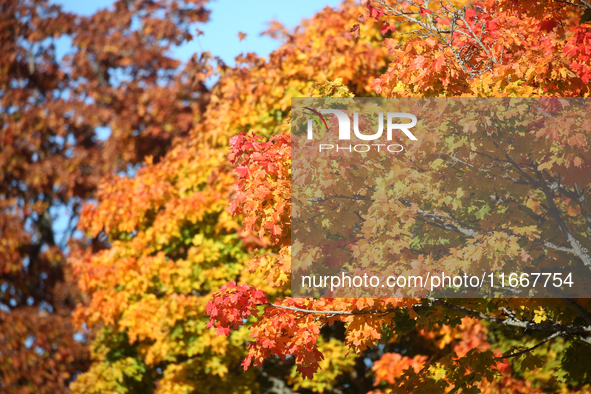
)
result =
(375, 13)
(425, 11)
(444, 21)
(387, 27)
(355, 30)
(243, 171)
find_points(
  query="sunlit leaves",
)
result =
(232, 305)
(216, 210)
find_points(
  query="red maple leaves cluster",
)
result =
(263, 186)
(281, 335)
(579, 47)
(232, 305)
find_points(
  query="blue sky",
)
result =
(228, 18)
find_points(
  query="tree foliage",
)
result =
(192, 292)
(179, 244)
(484, 49)
(118, 77)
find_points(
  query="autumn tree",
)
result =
(179, 244)
(118, 77)
(195, 286)
(485, 49)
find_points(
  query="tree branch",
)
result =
(511, 321)
(556, 334)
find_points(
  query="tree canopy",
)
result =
(182, 279)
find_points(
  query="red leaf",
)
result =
(242, 172)
(548, 25)
(375, 12)
(387, 27)
(492, 25)
(425, 11)
(234, 304)
(307, 372)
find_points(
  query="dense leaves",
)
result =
(453, 61)
(233, 304)
(199, 237)
(56, 112)
(174, 243)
